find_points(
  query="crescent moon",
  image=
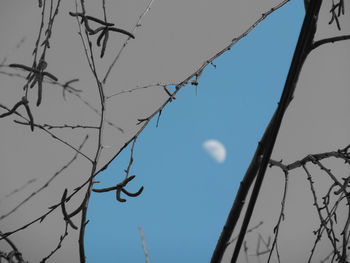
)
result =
(216, 150)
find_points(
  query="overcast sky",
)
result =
(188, 187)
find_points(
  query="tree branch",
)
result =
(329, 40)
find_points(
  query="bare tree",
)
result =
(90, 147)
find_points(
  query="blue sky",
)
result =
(188, 194)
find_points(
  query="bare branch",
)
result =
(138, 24)
(144, 244)
(62, 237)
(55, 137)
(19, 189)
(49, 126)
(46, 184)
(64, 211)
(329, 40)
(280, 219)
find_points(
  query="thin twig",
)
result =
(144, 244)
(131, 158)
(280, 219)
(248, 231)
(19, 189)
(49, 126)
(138, 24)
(62, 237)
(139, 88)
(55, 137)
(329, 40)
(47, 183)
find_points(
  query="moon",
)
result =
(215, 149)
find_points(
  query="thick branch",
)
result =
(304, 42)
